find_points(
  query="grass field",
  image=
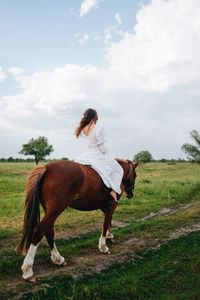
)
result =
(164, 211)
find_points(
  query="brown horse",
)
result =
(63, 184)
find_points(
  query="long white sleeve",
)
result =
(101, 140)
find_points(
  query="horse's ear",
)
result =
(135, 164)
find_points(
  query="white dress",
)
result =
(96, 154)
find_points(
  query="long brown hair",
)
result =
(89, 115)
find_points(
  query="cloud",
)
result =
(51, 92)
(108, 34)
(84, 39)
(86, 6)
(2, 74)
(147, 96)
(113, 31)
(16, 71)
(160, 54)
(118, 18)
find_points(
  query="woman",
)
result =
(96, 153)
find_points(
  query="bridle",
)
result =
(127, 186)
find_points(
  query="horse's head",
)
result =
(129, 176)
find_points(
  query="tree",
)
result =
(143, 156)
(163, 160)
(10, 159)
(3, 159)
(193, 151)
(39, 148)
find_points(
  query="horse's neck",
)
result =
(124, 164)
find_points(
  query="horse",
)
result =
(56, 186)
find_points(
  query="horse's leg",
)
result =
(109, 234)
(107, 221)
(39, 232)
(27, 266)
(55, 255)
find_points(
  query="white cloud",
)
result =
(86, 6)
(113, 31)
(16, 71)
(118, 18)
(160, 53)
(108, 34)
(2, 74)
(86, 38)
(147, 97)
(50, 92)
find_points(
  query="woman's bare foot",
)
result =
(114, 195)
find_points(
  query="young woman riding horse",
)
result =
(96, 154)
(63, 184)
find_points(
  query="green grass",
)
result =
(167, 273)
(87, 243)
(161, 185)
(157, 186)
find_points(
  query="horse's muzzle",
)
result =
(129, 195)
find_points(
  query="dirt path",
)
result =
(94, 262)
(122, 251)
(165, 212)
(119, 224)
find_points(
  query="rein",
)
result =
(131, 169)
(127, 186)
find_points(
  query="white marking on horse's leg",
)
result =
(102, 245)
(109, 235)
(27, 266)
(56, 257)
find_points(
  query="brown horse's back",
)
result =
(73, 185)
(93, 194)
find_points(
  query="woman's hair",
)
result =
(89, 115)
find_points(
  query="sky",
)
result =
(136, 62)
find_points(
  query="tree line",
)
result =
(28, 160)
(32, 160)
(192, 151)
(39, 148)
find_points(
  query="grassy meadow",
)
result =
(169, 272)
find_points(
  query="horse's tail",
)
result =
(32, 208)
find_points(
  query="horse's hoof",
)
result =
(104, 250)
(60, 261)
(31, 279)
(107, 252)
(64, 263)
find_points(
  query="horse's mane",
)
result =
(123, 160)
